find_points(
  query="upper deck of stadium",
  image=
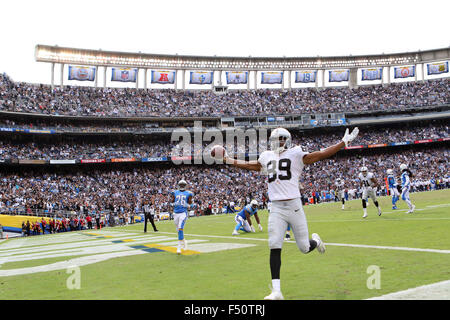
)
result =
(143, 62)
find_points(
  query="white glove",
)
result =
(260, 227)
(350, 137)
(253, 228)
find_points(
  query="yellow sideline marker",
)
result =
(172, 249)
(98, 234)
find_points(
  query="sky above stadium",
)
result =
(222, 28)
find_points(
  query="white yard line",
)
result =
(327, 243)
(435, 291)
(375, 215)
(387, 248)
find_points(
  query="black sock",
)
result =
(312, 245)
(364, 203)
(275, 263)
(376, 204)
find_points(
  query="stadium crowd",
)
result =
(114, 102)
(138, 148)
(123, 191)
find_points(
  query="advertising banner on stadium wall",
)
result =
(356, 147)
(404, 72)
(39, 131)
(237, 77)
(371, 74)
(338, 75)
(26, 161)
(328, 122)
(423, 141)
(305, 76)
(27, 130)
(93, 160)
(378, 145)
(201, 77)
(123, 160)
(163, 77)
(81, 73)
(123, 74)
(181, 158)
(62, 161)
(275, 77)
(337, 122)
(437, 68)
(154, 159)
(404, 143)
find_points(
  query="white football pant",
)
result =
(287, 212)
(370, 192)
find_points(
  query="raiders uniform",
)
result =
(283, 173)
(340, 188)
(369, 188)
(340, 191)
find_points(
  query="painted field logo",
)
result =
(93, 248)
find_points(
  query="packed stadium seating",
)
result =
(109, 147)
(126, 102)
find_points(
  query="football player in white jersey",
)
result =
(340, 190)
(369, 185)
(283, 165)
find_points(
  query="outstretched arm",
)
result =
(253, 165)
(312, 157)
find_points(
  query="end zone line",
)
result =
(387, 248)
(328, 244)
(434, 291)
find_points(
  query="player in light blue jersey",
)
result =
(393, 188)
(433, 183)
(243, 220)
(406, 186)
(181, 200)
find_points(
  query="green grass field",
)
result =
(217, 265)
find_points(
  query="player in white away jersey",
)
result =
(340, 190)
(369, 185)
(283, 165)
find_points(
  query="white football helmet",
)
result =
(403, 166)
(389, 171)
(364, 171)
(254, 204)
(182, 184)
(275, 137)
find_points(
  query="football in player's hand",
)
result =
(218, 152)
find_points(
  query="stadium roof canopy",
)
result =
(64, 55)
